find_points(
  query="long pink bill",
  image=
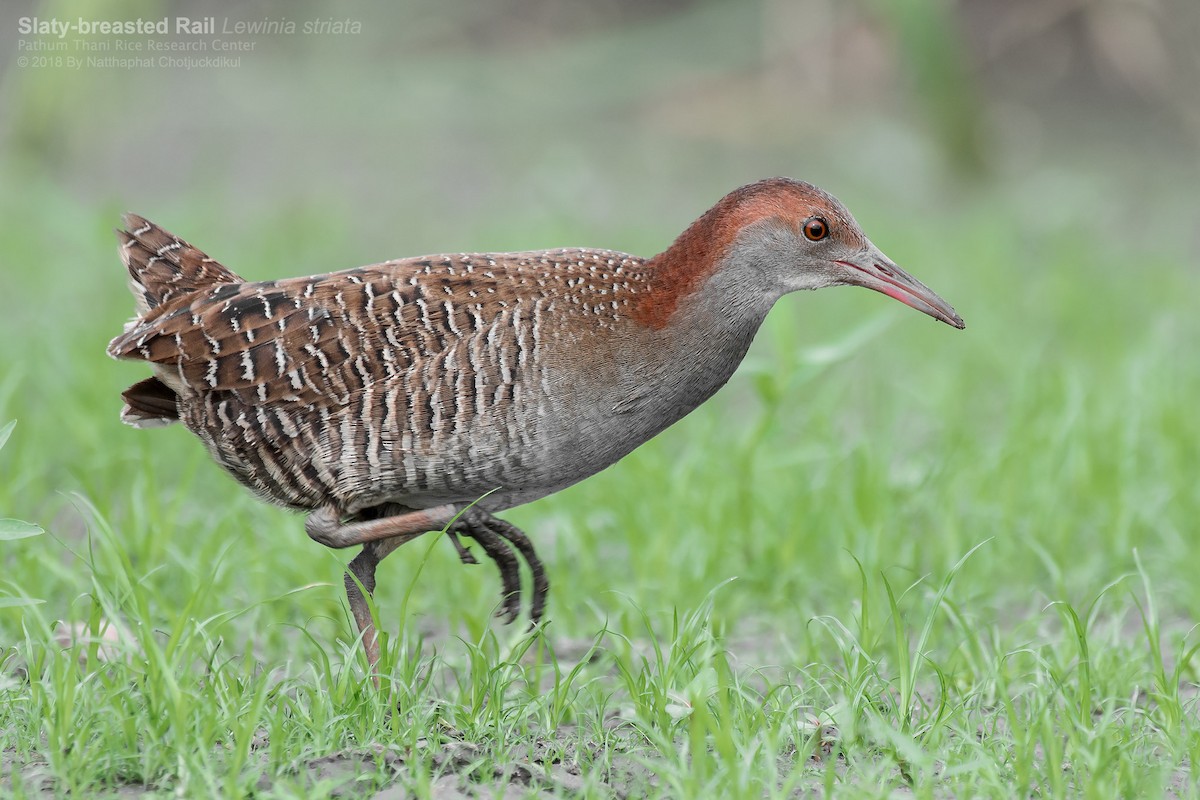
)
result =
(875, 271)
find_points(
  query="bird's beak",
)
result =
(874, 270)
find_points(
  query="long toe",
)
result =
(541, 583)
(499, 551)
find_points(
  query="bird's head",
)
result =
(790, 236)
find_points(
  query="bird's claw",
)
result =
(498, 540)
(464, 554)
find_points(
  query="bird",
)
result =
(431, 393)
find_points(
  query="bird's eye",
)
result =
(815, 229)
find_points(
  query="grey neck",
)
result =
(708, 337)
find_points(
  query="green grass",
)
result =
(889, 558)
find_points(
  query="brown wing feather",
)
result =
(309, 340)
(364, 385)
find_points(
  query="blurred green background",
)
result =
(460, 125)
(1036, 162)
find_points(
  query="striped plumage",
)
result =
(408, 390)
(418, 381)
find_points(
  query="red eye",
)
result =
(815, 229)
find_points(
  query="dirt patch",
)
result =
(555, 768)
(449, 770)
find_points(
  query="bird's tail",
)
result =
(162, 266)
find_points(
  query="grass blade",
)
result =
(13, 529)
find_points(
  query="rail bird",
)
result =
(429, 393)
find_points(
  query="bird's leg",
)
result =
(325, 526)
(379, 538)
(363, 567)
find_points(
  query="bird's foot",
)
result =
(498, 540)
